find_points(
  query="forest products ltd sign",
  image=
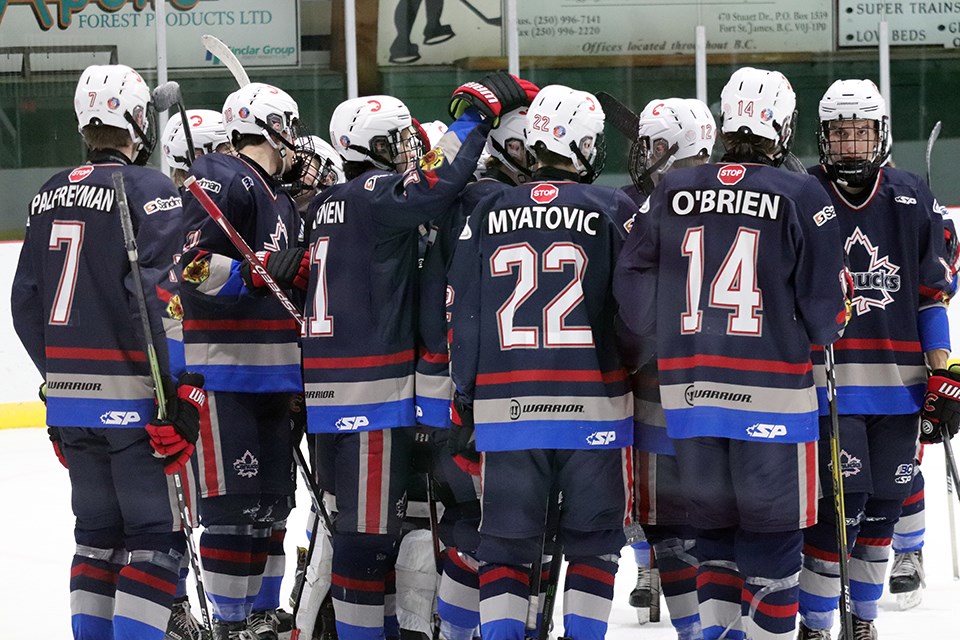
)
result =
(65, 9)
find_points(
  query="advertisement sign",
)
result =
(909, 23)
(260, 33)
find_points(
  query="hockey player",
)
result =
(245, 343)
(325, 169)
(754, 249)
(77, 316)
(536, 370)
(674, 133)
(892, 231)
(458, 604)
(207, 133)
(360, 343)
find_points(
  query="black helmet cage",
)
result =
(592, 170)
(858, 172)
(646, 159)
(148, 138)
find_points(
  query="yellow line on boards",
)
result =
(21, 415)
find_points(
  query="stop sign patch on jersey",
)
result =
(80, 173)
(544, 193)
(731, 174)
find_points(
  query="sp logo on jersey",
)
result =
(731, 174)
(766, 431)
(120, 418)
(351, 423)
(601, 438)
(544, 193)
(80, 173)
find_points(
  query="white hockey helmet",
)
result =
(262, 109)
(849, 100)
(761, 103)
(434, 131)
(206, 131)
(569, 123)
(117, 96)
(670, 129)
(328, 169)
(507, 143)
(376, 129)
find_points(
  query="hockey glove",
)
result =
(52, 432)
(289, 267)
(495, 95)
(174, 436)
(463, 439)
(941, 406)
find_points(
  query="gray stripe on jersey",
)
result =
(874, 375)
(586, 408)
(738, 397)
(77, 385)
(343, 394)
(235, 354)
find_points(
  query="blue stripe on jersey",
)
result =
(433, 412)
(97, 412)
(361, 417)
(874, 400)
(178, 362)
(280, 378)
(465, 124)
(934, 328)
(234, 285)
(554, 434)
(742, 425)
(652, 439)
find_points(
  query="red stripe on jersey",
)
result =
(591, 573)
(504, 573)
(810, 455)
(878, 344)
(737, 364)
(930, 292)
(436, 358)
(239, 325)
(164, 586)
(209, 459)
(356, 585)
(359, 362)
(772, 610)
(374, 465)
(78, 353)
(96, 573)
(551, 375)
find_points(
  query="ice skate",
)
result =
(907, 578)
(182, 625)
(262, 625)
(862, 630)
(223, 630)
(805, 633)
(641, 596)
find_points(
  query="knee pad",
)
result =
(880, 511)
(679, 548)
(113, 556)
(169, 561)
(239, 509)
(769, 556)
(174, 542)
(716, 544)
(274, 507)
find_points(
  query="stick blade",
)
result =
(619, 115)
(219, 49)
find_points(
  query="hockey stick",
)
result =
(220, 50)
(438, 560)
(492, 21)
(130, 244)
(619, 115)
(556, 562)
(654, 587)
(951, 474)
(255, 264)
(934, 134)
(316, 494)
(168, 95)
(836, 473)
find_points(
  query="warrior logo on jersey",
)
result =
(872, 287)
(246, 466)
(274, 243)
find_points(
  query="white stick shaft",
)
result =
(350, 39)
(701, 63)
(885, 72)
(953, 525)
(160, 13)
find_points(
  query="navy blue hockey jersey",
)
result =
(893, 238)
(533, 345)
(434, 386)
(73, 303)
(360, 349)
(241, 341)
(735, 270)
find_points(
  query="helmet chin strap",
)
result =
(511, 163)
(646, 178)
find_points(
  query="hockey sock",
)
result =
(458, 603)
(503, 601)
(588, 596)
(391, 625)
(868, 560)
(182, 580)
(641, 553)
(678, 580)
(145, 592)
(820, 575)
(225, 553)
(93, 585)
(268, 597)
(909, 530)
(259, 553)
(360, 564)
(719, 585)
(770, 563)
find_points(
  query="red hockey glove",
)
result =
(54, 434)
(941, 406)
(289, 267)
(175, 436)
(495, 95)
(463, 440)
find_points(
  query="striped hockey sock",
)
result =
(268, 598)
(145, 591)
(588, 596)
(93, 584)
(770, 607)
(225, 558)
(910, 528)
(360, 566)
(678, 579)
(719, 592)
(458, 602)
(503, 601)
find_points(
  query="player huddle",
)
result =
(496, 362)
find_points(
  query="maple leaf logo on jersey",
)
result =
(274, 243)
(247, 466)
(871, 288)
